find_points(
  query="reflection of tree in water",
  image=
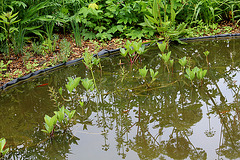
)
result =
(179, 146)
(209, 132)
(57, 148)
(230, 136)
(228, 113)
(145, 146)
(144, 142)
(169, 114)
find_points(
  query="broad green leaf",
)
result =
(88, 84)
(2, 144)
(143, 72)
(183, 61)
(123, 52)
(153, 74)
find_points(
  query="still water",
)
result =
(132, 118)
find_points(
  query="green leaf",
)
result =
(162, 46)
(147, 23)
(183, 61)
(60, 91)
(152, 20)
(47, 119)
(60, 114)
(88, 35)
(72, 114)
(190, 74)
(134, 34)
(43, 130)
(206, 53)
(31, 11)
(100, 28)
(2, 144)
(155, 9)
(153, 74)
(72, 84)
(143, 72)
(88, 84)
(123, 52)
(19, 3)
(81, 103)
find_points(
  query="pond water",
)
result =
(170, 118)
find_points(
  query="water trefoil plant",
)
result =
(190, 74)
(89, 60)
(88, 84)
(166, 59)
(64, 117)
(199, 72)
(163, 46)
(143, 72)
(183, 62)
(153, 75)
(3, 151)
(72, 84)
(61, 120)
(132, 50)
(50, 123)
(206, 53)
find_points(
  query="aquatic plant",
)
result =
(72, 84)
(64, 117)
(153, 75)
(89, 60)
(132, 50)
(190, 74)
(163, 46)
(171, 63)
(50, 123)
(143, 72)
(88, 84)
(2, 146)
(201, 74)
(166, 58)
(183, 62)
(206, 53)
(138, 47)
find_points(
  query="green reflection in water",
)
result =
(168, 119)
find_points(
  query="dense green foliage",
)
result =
(35, 20)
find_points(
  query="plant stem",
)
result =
(94, 80)
(167, 68)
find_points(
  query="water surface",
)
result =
(167, 119)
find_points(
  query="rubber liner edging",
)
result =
(101, 54)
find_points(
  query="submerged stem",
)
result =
(94, 80)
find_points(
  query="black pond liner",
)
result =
(101, 54)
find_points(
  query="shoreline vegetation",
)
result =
(39, 34)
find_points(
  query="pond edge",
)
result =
(101, 54)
